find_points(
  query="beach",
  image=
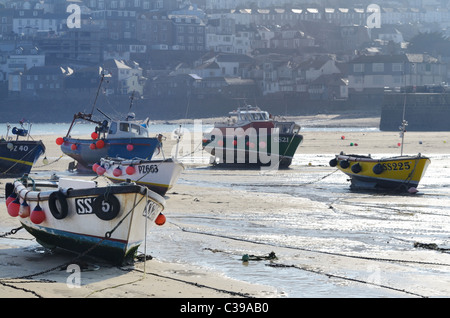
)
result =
(205, 193)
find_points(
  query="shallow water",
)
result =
(314, 216)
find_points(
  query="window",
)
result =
(124, 127)
(378, 67)
(397, 67)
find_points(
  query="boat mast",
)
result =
(403, 126)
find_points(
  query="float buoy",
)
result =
(117, 172)
(356, 168)
(344, 164)
(130, 170)
(73, 147)
(377, 169)
(14, 207)
(95, 167)
(130, 147)
(333, 162)
(160, 219)
(37, 215)
(100, 171)
(100, 144)
(11, 198)
(24, 210)
(59, 141)
(94, 135)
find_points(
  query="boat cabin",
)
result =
(125, 129)
(249, 114)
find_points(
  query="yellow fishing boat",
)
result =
(402, 173)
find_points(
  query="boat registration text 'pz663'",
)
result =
(148, 168)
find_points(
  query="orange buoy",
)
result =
(160, 219)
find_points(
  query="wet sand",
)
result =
(21, 256)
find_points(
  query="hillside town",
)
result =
(308, 54)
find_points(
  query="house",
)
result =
(21, 59)
(374, 73)
(126, 77)
(44, 81)
(6, 22)
(76, 44)
(329, 87)
(315, 67)
(233, 65)
(155, 30)
(189, 33)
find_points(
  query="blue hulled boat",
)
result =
(126, 139)
(17, 156)
(112, 138)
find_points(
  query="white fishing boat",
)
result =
(79, 216)
(158, 175)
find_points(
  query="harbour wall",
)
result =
(422, 111)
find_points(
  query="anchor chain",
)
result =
(12, 232)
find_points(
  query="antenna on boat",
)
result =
(131, 101)
(403, 126)
(98, 91)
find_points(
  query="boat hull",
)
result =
(113, 147)
(395, 173)
(273, 149)
(17, 157)
(84, 228)
(158, 175)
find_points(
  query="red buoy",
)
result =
(117, 172)
(130, 147)
(130, 170)
(160, 219)
(101, 171)
(14, 207)
(59, 141)
(92, 146)
(94, 135)
(11, 198)
(95, 167)
(73, 147)
(100, 144)
(37, 215)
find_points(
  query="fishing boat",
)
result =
(158, 175)
(253, 136)
(112, 138)
(17, 156)
(125, 138)
(81, 217)
(398, 173)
